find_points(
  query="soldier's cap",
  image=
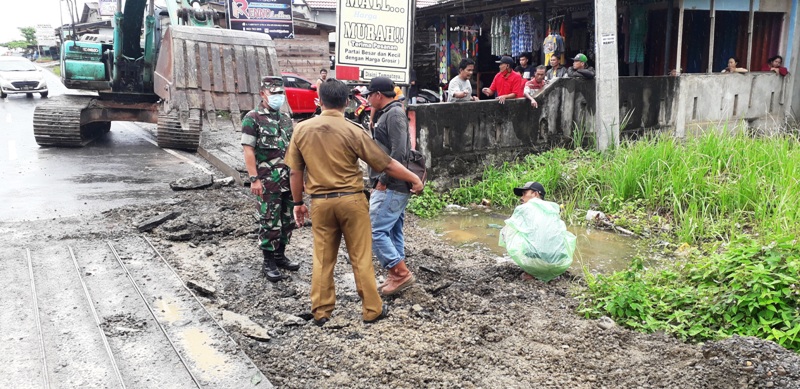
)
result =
(530, 185)
(273, 84)
(506, 60)
(580, 57)
(383, 85)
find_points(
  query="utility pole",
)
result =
(607, 74)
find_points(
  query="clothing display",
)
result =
(638, 34)
(521, 34)
(501, 34)
(553, 45)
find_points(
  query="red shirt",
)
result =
(509, 82)
(782, 70)
(535, 85)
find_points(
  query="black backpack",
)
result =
(416, 163)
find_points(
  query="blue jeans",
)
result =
(387, 212)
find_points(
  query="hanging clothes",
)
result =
(638, 34)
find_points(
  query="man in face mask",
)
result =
(266, 132)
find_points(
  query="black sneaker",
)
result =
(384, 314)
(321, 322)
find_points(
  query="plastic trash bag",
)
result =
(537, 239)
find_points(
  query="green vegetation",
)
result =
(29, 35)
(57, 70)
(749, 289)
(730, 198)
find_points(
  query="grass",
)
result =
(729, 197)
(57, 70)
(708, 188)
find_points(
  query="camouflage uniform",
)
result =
(269, 132)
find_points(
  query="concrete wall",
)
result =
(758, 98)
(460, 138)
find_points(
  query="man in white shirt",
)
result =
(460, 89)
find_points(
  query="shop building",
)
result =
(663, 71)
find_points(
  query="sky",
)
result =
(45, 12)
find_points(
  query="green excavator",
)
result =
(170, 66)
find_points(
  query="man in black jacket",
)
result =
(579, 68)
(389, 198)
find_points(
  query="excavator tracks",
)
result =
(58, 122)
(171, 133)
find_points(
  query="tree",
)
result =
(29, 33)
(15, 45)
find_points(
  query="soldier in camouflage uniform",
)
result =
(266, 132)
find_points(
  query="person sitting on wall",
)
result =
(556, 70)
(507, 84)
(579, 68)
(526, 67)
(775, 64)
(733, 66)
(535, 85)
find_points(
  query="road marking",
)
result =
(12, 150)
(138, 133)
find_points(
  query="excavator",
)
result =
(166, 65)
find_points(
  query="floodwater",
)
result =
(598, 250)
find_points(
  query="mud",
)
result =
(471, 321)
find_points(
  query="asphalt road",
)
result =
(120, 168)
(91, 311)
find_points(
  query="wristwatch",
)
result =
(252, 179)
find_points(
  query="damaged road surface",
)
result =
(86, 305)
(470, 321)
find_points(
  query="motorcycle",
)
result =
(427, 96)
(358, 108)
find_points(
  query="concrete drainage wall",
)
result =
(459, 139)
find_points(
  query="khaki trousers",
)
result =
(332, 218)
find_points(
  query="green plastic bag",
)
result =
(537, 239)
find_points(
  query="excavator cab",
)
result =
(168, 66)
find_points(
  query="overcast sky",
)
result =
(30, 13)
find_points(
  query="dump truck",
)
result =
(169, 66)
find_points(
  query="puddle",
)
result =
(199, 350)
(597, 250)
(169, 310)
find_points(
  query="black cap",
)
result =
(530, 185)
(506, 60)
(384, 85)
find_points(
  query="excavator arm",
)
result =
(179, 77)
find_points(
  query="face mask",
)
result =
(276, 101)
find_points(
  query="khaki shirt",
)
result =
(328, 147)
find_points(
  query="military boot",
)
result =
(271, 270)
(284, 262)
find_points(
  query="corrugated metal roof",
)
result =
(321, 4)
(331, 4)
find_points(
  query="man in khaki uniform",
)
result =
(327, 149)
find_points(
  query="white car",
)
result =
(18, 75)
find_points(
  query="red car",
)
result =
(300, 93)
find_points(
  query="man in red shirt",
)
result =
(507, 84)
(536, 84)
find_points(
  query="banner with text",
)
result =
(374, 38)
(108, 7)
(273, 17)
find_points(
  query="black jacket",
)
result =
(391, 133)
